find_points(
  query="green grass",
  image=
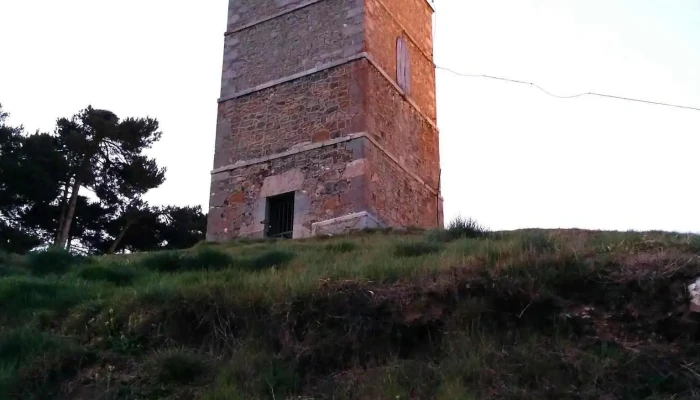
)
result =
(467, 315)
(415, 249)
(120, 275)
(32, 362)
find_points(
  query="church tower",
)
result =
(326, 120)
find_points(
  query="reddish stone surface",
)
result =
(395, 197)
(401, 130)
(415, 16)
(382, 31)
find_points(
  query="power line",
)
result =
(568, 97)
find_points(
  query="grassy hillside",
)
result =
(424, 315)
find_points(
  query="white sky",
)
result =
(512, 157)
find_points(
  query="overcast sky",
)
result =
(512, 157)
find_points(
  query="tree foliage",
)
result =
(82, 187)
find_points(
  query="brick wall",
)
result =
(323, 32)
(315, 108)
(330, 184)
(401, 130)
(395, 197)
(382, 31)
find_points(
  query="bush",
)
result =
(268, 259)
(52, 261)
(460, 228)
(203, 259)
(180, 366)
(415, 249)
(117, 274)
(341, 247)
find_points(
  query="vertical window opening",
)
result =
(403, 65)
(280, 216)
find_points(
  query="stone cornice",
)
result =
(312, 146)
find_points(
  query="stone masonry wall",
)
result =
(329, 183)
(382, 34)
(323, 32)
(315, 108)
(396, 198)
(416, 17)
(401, 130)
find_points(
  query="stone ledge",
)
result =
(331, 142)
(346, 223)
(293, 77)
(299, 149)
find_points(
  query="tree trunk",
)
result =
(65, 227)
(62, 218)
(119, 238)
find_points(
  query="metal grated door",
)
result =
(280, 216)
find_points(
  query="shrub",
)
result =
(341, 247)
(180, 366)
(208, 258)
(268, 259)
(117, 274)
(203, 259)
(415, 249)
(460, 228)
(52, 261)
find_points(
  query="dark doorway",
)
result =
(280, 216)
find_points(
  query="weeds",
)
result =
(205, 258)
(268, 259)
(32, 362)
(341, 247)
(415, 249)
(460, 228)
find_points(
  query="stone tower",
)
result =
(326, 120)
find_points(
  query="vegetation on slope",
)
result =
(458, 314)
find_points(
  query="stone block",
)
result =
(344, 224)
